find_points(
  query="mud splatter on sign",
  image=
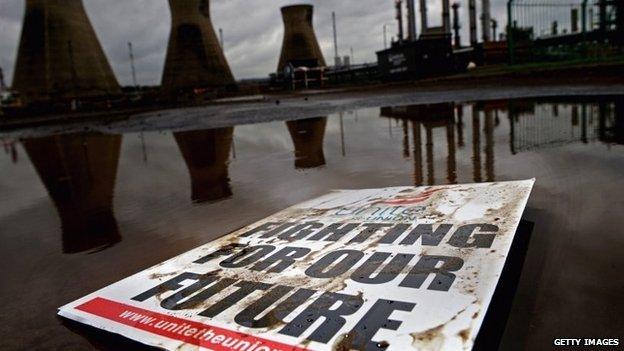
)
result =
(378, 269)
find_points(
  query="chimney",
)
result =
(59, 54)
(446, 16)
(299, 44)
(472, 17)
(411, 20)
(194, 56)
(423, 16)
(574, 19)
(486, 19)
(336, 56)
(456, 26)
(399, 18)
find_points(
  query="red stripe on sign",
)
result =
(190, 332)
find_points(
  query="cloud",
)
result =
(252, 30)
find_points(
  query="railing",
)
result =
(546, 30)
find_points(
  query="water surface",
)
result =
(81, 211)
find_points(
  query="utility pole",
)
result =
(336, 57)
(352, 59)
(221, 38)
(134, 78)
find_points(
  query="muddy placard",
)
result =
(400, 268)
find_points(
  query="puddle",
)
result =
(79, 211)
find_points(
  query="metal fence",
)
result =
(547, 30)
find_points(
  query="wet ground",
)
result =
(81, 210)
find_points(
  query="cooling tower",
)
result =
(59, 55)
(206, 153)
(307, 135)
(300, 46)
(79, 172)
(194, 56)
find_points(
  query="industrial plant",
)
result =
(314, 175)
(61, 66)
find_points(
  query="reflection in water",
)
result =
(206, 153)
(79, 171)
(536, 124)
(489, 145)
(476, 145)
(430, 117)
(10, 149)
(573, 145)
(533, 124)
(307, 135)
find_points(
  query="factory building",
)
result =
(415, 57)
(195, 59)
(59, 56)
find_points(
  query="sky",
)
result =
(252, 29)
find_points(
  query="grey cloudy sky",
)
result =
(253, 31)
